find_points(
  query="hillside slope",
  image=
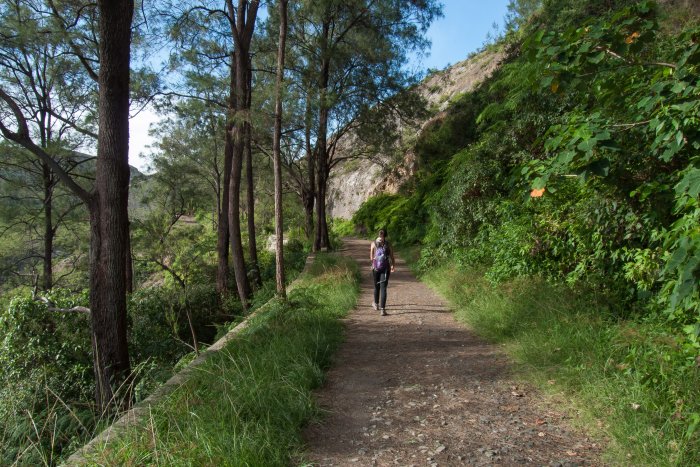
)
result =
(353, 182)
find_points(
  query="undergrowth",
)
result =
(632, 378)
(246, 404)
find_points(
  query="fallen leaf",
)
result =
(632, 37)
(635, 406)
(539, 421)
(540, 434)
(571, 453)
(551, 381)
(517, 394)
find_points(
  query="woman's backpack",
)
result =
(381, 257)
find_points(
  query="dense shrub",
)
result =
(45, 375)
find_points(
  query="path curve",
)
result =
(417, 388)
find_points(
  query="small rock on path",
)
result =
(417, 388)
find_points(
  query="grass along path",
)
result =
(247, 403)
(620, 375)
(418, 388)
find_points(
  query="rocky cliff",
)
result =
(354, 181)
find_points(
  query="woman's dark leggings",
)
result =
(381, 280)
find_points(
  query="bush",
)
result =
(45, 376)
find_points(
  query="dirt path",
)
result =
(417, 388)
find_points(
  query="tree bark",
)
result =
(252, 241)
(223, 237)
(239, 267)
(309, 195)
(322, 240)
(108, 209)
(276, 154)
(49, 232)
(129, 261)
(234, 220)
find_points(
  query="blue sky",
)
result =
(463, 29)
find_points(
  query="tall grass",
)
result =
(629, 379)
(246, 404)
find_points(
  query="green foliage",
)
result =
(247, 404)
(447, 135)
(642, 115)
(343, 227)
(468, 198)
(45, 373)
(405, 216)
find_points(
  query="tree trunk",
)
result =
(223, 237)
(234, 220)
(276, 154)
(129, 262)
(322, 241)
(252, 241)
(108, 209)
(239, 267)
(49, 232)
(242, 33)
(309, 195)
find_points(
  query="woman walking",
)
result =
(382, 256)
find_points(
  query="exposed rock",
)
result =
(352, 182)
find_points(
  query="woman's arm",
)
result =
(391, 254)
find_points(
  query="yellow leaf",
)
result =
(537, 193)
(555, 86)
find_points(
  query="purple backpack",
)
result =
(381, 257)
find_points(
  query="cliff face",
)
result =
(354, 181)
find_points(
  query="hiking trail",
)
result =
(418, 388)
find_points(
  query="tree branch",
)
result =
(22, 138)
(52, 306)
(74, 47)
(77, 128)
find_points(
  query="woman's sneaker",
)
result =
(384, 313)
(374, 305)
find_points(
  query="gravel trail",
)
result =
(417, 388)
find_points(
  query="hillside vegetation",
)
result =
(564, 192)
